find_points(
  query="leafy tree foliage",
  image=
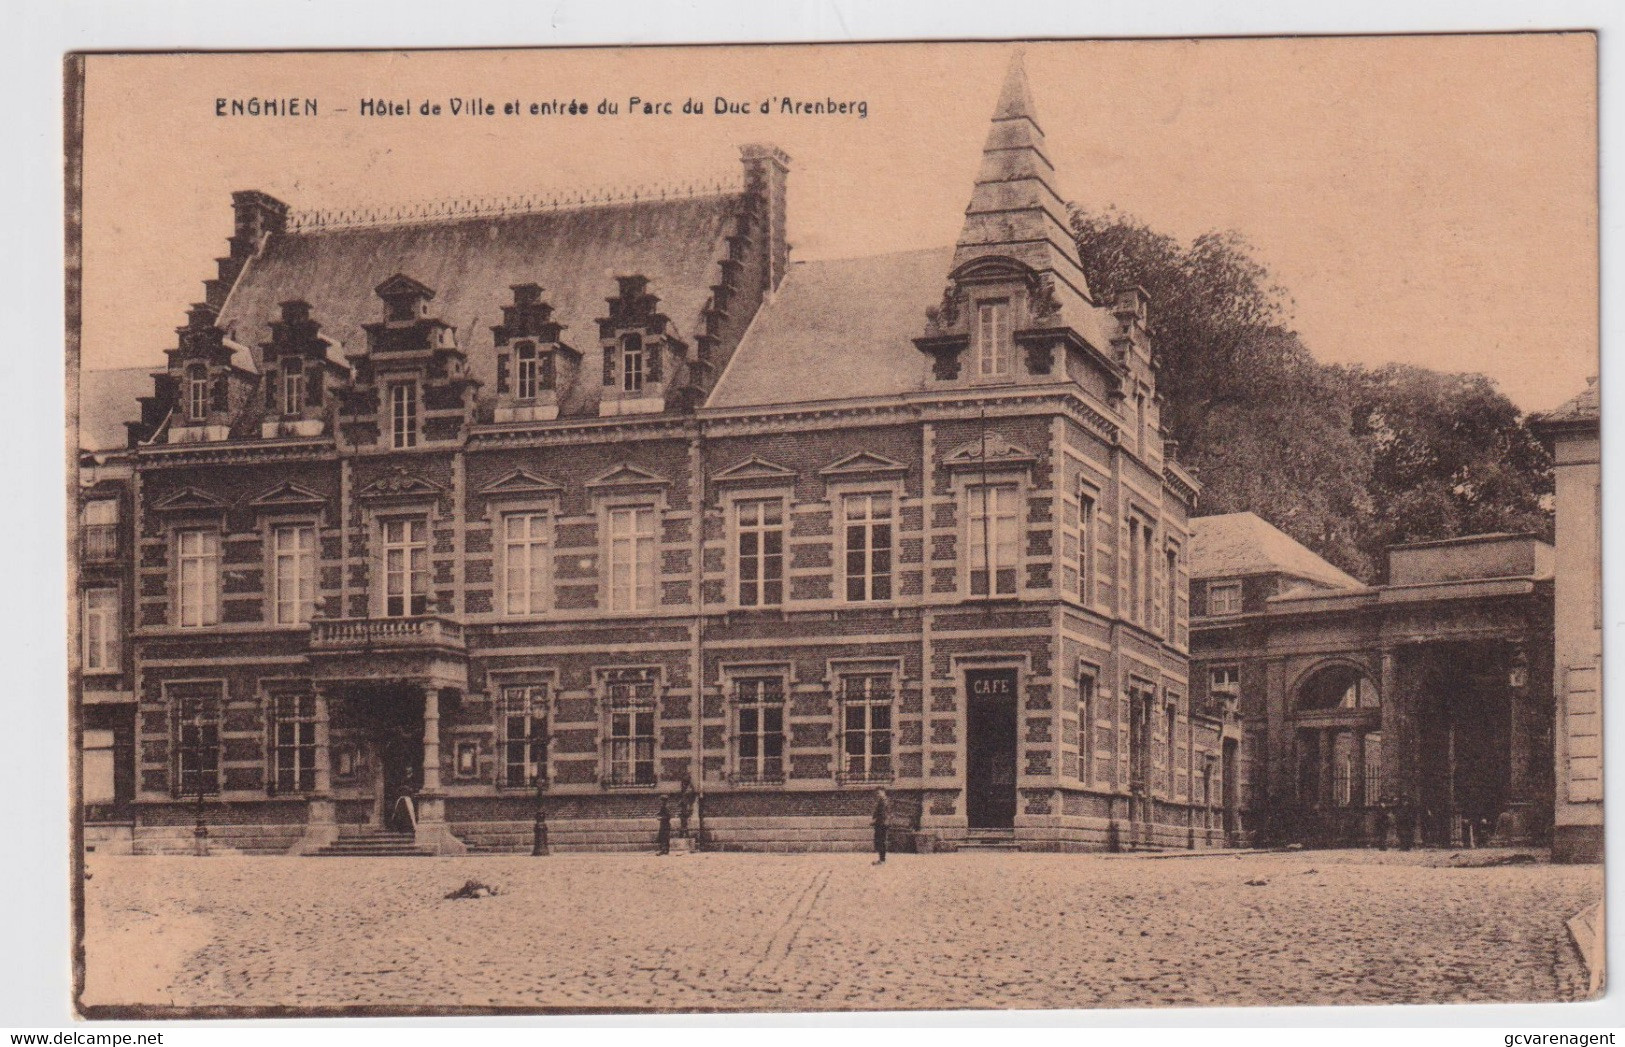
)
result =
(1450, 456)
(1344, 459)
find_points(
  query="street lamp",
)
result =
(538, 834)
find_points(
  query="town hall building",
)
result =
(579, 507)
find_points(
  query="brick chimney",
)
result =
(767, 172)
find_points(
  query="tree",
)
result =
(1450, 456)
(1347, 460)
(1253, 413)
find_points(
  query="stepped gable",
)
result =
(679, 244)
(837, 330)
(1236, 544)
(107, 400)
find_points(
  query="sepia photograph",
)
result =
(944, 526)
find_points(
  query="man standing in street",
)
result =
(881, 816)
(663, 834)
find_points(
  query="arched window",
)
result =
(1338, 687)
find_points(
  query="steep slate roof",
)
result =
(108, 399)
(1237, 544)
(574, 254)
(1586, 407)
(838, 329)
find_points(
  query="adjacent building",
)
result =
(1573, 433)
(1415, 712)
(582, 505)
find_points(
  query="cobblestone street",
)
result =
(812, 932)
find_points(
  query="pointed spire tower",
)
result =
(1016, 295)
(1015, 210)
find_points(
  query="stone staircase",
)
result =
(990, 840)
(372, 843)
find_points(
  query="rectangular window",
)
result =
(293, 572)
(632, 559)
(761, 552)
(630, 696)
(993, 338)
(406, 568)
(1225, 680)
(1086, 728)
(1172, 753)
(293, 390)
(102, 632)
(868, 546)
(100, 530)
(527, 371)
(197, 394)
(866, 726)
(198, 576)
(526, 559)
(993, 538)
(1147, 611)
(1224, 598)
(524, 734)
(403, 415)
(1086, 548)
(1136, 568)
(1171, 607)
(759, 702)
(197, 745)
(632, 369)
(293, 742)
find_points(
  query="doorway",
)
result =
(990, 748)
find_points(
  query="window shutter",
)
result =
(652, 363)
(313, 386)
(218, 400)
(549, 374)
(502, 374)
(609, 365)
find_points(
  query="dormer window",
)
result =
(993, 354)
(632, 363)
(197, 393)
(403, 415)
(293, 388)
(525, 355)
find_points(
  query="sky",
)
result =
(1428, 200)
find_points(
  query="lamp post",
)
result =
(538, 833)
(200, 829)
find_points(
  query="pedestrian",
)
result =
(663, 834)
(881, 816)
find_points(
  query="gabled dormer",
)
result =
(301, 373)
(412, 386)
(204, 389)
(640, 351)
(536, 371)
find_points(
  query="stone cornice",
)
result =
(235, 453)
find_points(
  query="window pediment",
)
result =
(398, 484)
(289, 496)
(754, 471)
(189, 499)
(993, 452)
(627, 476)
(522, 482)
(865, 465)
